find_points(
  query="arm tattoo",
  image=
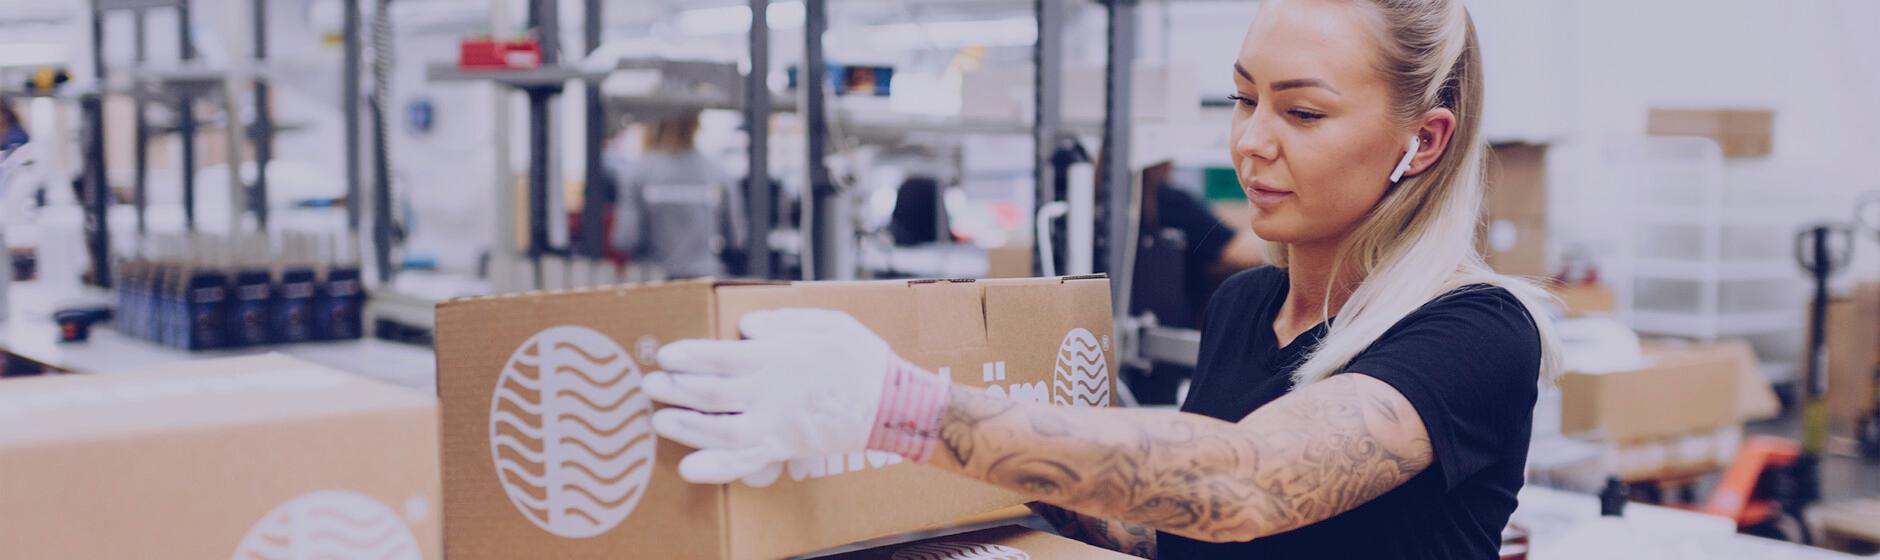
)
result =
(1301, 459)
(1128, 538)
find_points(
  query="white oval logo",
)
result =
(570, 432)
(959, 551)
(1083, 374)
(329, 524)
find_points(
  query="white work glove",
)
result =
(804, 383)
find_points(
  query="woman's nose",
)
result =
(1253, 137)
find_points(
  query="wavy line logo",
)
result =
(1083, 374)
(329, 524)
(570, 432)
(959, 551)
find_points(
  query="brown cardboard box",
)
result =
(606, 488)
(1853, 356)
(1011, 261)
(1680, 391)
(1002, 543)
(1742, 133)
(261, 457)
(1516, 247)
(1584, 300)
(1517, 182)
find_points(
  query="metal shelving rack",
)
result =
(1685, 276)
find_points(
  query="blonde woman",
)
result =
(1368, 397)
(676, 210)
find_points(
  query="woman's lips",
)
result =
(1261, 194)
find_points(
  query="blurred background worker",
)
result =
(676, 211)
(1186, 251)
(12, 133)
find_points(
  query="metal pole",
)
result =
(593, 213)
(757, 123)
(186, 120)
(349, 96)
(1116, 124)
(97, 194)
(264, 122)
(140, 182)
(542, 20)
(826, 221)
(1048, 88)
(381, 150)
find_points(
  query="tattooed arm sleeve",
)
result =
(1127, 538)
(1301, 459)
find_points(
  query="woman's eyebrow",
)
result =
(1283, 85)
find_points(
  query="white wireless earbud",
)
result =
(1404, 166)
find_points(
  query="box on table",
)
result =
(1680, 391)
(548, 451)
(1581, 300)
(1001, 543)
(1853, 356)
(260, 457)
(1742, 133)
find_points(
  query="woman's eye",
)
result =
(1306, 116)
(1243, 101)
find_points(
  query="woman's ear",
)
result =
(1434, 133)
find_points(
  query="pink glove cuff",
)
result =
(912, 402)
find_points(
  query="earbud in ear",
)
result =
(1404, 166)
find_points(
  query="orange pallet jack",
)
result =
(1773, 480)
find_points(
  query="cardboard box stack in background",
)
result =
(1586, 300)
(1742, 133)
(548, 451)
(263, 457)
(1515, 236)
(1682, 412)
(1853, 356)
(1001, 543)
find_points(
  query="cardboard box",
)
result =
(1002, 543)
(261, 457)
(1517, 182)
(1742, 133)
(605, 487)
(1011, 261)
(1853, 356)
(1681, 391)
(1516, 247)
(1586, 300)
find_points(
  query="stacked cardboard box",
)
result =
(1853, 356)
(548, 450)
(262, 457)
(1681, 412)
(1515, 236)
(1741, 133)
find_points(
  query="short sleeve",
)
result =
(1469, 362)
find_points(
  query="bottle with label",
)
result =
(293, 301)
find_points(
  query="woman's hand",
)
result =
(805, 382)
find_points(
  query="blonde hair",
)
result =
(1419, 242)
(674, 135)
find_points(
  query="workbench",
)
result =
(30, 334)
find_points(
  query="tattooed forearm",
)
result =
(1127, 538)
(1303, 458)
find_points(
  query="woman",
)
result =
(676, 211)
(1399, 429)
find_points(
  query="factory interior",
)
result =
(466, 279)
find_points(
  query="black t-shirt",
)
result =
(1469, 362)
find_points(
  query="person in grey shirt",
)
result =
(676, 210)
